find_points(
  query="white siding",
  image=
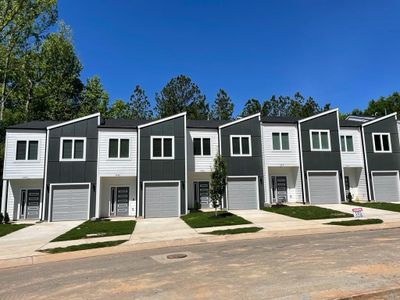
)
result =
(113, 166)
(23, 169)
(294, 188)
(353, 159)
(202, 163)
(284, 158)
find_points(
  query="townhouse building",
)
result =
(90, 167)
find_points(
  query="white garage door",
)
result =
(161, 200)
(323, 187)
(242, 193)
(70, 202)
(386, 186)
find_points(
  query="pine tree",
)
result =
(139, 105)
(223, 106)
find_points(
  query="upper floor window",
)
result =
(346, 142)
(118, 148)
(73, 149)
(162, 147)
(280, 141)
(27, 150)
(320, 140)
(201, 146)
(240, 145)
(381, 142)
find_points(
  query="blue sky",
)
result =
(344, 52)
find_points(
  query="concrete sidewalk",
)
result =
(26, 241)
(161, 229)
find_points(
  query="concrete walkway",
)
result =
(161, 229)
(25, 241)
(369, 213)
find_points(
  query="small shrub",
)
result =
(6, 218)
(1, 218)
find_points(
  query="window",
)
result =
(320, 140)
(201, 146)
(381, 142)
(240, 145)
(280, 141)
(346, 142)
(73, 149)
(27, 150)
(118, 148)
(162, 147)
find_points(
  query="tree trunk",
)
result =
(3, 89)
(29, 99)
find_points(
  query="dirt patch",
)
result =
(375, 269)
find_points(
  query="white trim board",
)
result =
(162, 181)
(240, 120)
(162, 120)
(75, 120)
(379, 119)
(231, 137)
(319, 115)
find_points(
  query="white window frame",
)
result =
(240, 144)
(73, 148)
(27, 151)
(202, 146)
(319, 131)
(345, 143)
(280, 140)
(381, 139)
(162, 137)
(119, 149)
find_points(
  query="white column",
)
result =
(4, 196)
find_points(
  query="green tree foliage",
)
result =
(22, 27)
(178, 95)
(93, 98)
(383, 105)
(139, 105)
(252, 106)
(222, 108)
(218, 182)
(119, 110)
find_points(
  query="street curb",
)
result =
(377, 293)
(127, 247)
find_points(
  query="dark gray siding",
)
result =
(322, 160)
(244, 166)
(382, 161)
(73, 172)
(156, 170)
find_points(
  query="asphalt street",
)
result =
(302, 267)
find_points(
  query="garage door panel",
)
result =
(70, 203)
(242, 193)
(161, 200)
(323, 188)
(386, 186)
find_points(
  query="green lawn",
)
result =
(307, 212)
(83, 247)
(200, 219)
(235, 231)
(100, 227)
(8, 228)
(377, 205)
(356, 222)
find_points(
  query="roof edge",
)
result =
(240, 120)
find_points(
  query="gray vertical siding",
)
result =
(382, 161)
(322, 160)
(156, 170)
(73, 172)
(245, 166)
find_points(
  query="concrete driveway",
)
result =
(161, 229)
(25, 241)
(370, 213)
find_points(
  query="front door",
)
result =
(202, 193)
(279, 189)
(119, 201)
(30, 202)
